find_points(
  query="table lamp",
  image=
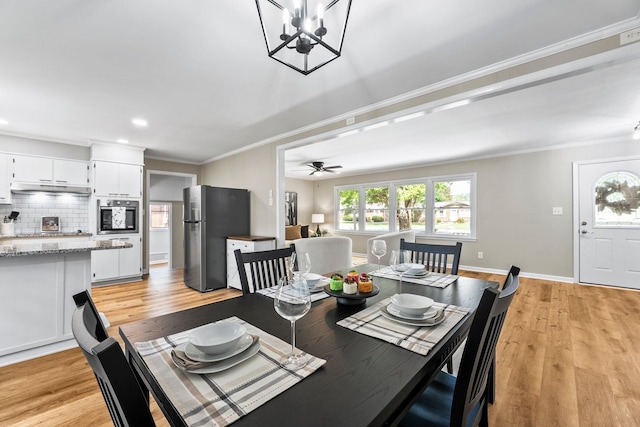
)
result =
(317, 219)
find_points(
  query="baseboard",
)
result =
(522, 274)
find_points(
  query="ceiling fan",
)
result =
(319, 168)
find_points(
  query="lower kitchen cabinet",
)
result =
(116, 266)
(245, 244)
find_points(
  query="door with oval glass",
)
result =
(609, 231)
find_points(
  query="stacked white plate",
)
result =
(417, 270)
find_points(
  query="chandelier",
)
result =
(306, 36)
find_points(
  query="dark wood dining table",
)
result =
(365, 381)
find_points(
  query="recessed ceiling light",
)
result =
(139, 122)
(4, 122)
(122, 141)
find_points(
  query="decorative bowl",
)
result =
(216, 338)
(411, 304)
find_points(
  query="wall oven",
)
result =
(118, 216)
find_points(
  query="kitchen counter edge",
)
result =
(61, 247)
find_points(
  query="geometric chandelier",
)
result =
(303, 34)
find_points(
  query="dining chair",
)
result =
(266, 268)
(434, 257)
(125, 399)
(462, 400)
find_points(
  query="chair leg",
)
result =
(450, 366)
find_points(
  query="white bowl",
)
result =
(216, 338)
(313, 279)
(410, 304)
(416, 269)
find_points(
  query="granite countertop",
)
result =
(45, 235)
(60, 247)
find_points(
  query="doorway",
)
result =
(164, 190)
(608, 231)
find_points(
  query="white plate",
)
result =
(419, 323)
(319, 286)
(227, 363)
(194, 353)
(422, 274)
(393, 309)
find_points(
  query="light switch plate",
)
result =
(557, 211)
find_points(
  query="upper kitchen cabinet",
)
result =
(49, 172)
(117, 180)
(5, 190)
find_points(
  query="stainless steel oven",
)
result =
(118, 216)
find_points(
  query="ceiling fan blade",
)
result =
(333, 167)
(313, 172)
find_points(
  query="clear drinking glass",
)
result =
(379, 249)
(400, 262)
(292, 301)
(300, 264)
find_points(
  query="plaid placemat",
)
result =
(437, 280)
(419, 339)
(315, 296)
(221, 398)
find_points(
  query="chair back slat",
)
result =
(436, 258)
(265, 268)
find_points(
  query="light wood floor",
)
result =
(569, 355)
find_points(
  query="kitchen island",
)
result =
(37, 282)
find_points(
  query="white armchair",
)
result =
(393, 242)
(328, 254)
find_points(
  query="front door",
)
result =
(609, 231)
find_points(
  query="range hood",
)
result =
(25, 187)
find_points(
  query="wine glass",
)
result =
(300, 264)
(379, 249)
(292, 301)
(400, 262)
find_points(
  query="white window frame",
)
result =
(428, 231)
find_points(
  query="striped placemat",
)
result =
(419, 339)
(221, 398)
(436, 280)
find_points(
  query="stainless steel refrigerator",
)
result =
(210, 215)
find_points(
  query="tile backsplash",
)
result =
(72, 210)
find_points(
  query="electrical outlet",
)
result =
(351, 120)
(556, 211)
(630, 36)
(480, 255)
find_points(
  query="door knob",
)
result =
(584, 231)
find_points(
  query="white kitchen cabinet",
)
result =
(245, 244)
(117, 179)
(70, 172)
(32, 169)
(5, 189)
(119, 265)
(46, 171)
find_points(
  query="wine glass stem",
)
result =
(293, 337)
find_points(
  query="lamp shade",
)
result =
(317, 218)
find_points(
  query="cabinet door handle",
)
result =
(45, 180)
(60, 180)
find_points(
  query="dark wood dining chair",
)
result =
(434, 257)
(462, 400)
(266, 268)
(125, 399)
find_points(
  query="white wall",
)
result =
(167, 187)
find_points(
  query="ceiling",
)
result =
(76, 71)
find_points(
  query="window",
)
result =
(160, 215)
(437, 207)
(376, 212)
